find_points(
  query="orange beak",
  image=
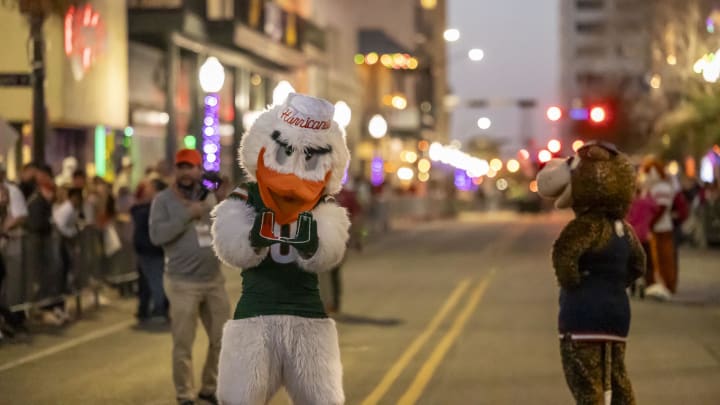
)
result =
(286, 194)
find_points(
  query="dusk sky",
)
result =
(521, 45)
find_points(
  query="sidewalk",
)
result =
(699, 277)
(674, 346)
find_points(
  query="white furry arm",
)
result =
(332, 229)
(231, 228)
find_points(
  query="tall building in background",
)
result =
(402, 67)
(605, 52)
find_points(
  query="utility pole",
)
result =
(526, 116)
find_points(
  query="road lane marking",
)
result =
(427, 370)
(67, 345)
(85, 338)
(394, 372)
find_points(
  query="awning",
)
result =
(378, 41)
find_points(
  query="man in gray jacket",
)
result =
(180, 223)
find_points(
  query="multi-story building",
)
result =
(604, 43)
(401, 62)
(605, 54)
(259, 45)
(138, 94)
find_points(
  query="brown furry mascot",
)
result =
(596, 257)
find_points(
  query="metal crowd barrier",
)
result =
(34, 268)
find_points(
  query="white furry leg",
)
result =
(312, 369)
(249, 368)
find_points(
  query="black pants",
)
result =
(336, 286)
(15, 320)
(4, 311)
(144, 296)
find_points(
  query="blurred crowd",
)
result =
(667, 212)
(65, 234)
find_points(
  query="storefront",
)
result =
(86, 84)
(256, 49)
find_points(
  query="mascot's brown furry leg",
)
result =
(594, 368)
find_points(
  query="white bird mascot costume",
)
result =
(281, 229)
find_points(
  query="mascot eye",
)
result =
(283, 153)
(311, 160)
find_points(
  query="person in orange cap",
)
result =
(180, 224)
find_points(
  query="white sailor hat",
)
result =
(306, 112)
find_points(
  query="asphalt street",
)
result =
(451, 312)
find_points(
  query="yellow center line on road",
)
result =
(427, 370)
(394, 372)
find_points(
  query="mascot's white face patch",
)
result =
(308, 162)
(299, 138)
(554, 180)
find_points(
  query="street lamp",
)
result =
(281, 92)
(451, 35)
(484, 123)
(212, 77)
(377, 126)
(343, 114)
(476, 55)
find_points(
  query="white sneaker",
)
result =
(61, 314)
(103, 300)
(659, 292)
(51, 318)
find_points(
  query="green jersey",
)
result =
(277, 286)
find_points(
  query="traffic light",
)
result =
(598, 115)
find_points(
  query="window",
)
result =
(589, 4)
(590, 27)
(154, 4)
(220, 10)
(589, 79)
(629, 6)
(590, 51)
(260, 92)
(629, 27)
(629, 51)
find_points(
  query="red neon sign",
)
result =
(84, 38)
